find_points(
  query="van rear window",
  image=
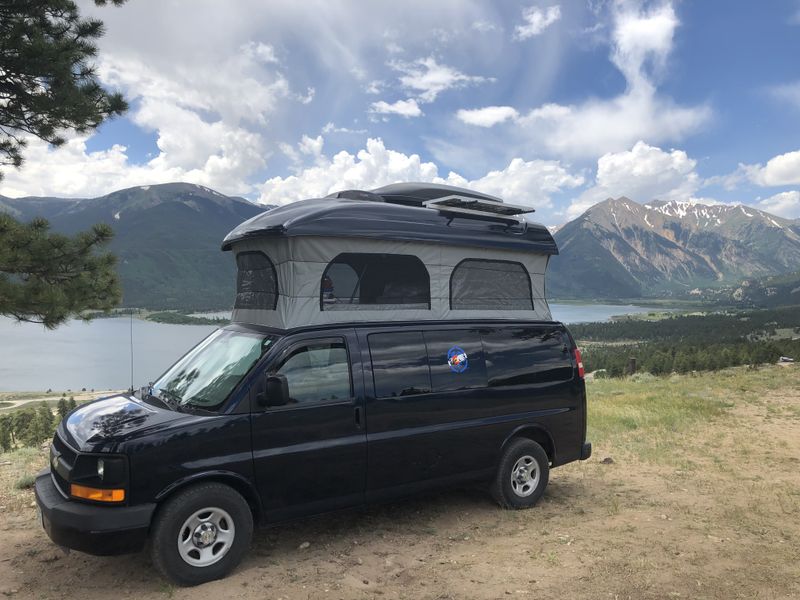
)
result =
(399, 364)
(527, 355)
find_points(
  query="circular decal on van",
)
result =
(457, 359)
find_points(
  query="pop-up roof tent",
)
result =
(403, 252)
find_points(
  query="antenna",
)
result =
(131, 338)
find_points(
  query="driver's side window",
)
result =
(317, 371)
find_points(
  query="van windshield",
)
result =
(206, 376)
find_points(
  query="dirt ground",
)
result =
(718, 517)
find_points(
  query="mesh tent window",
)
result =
(256, 281)
(478, 284)
(354, 281)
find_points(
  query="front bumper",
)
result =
(99, 530)
(586, 450)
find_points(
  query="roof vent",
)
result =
(478, 207)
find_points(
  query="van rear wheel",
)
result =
(201, 534)
(522, 475)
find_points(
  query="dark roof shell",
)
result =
(395, 218)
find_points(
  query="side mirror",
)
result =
(276, 391)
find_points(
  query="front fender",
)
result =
(235, 480)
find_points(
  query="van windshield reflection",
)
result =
(206, 376)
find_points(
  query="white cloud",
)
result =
(788, 93)
(524, 182)
(330, 127)
(641, 41)
(427, 78)
(644, 173)
(73, 171)
(783, 169)
(784, 204)
(487, 116)
(485, 26)
(260, 51)
(404, 108)
(374, 87)
(536, 21)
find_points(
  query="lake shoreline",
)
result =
(116, 352)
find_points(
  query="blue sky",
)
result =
(555, 105)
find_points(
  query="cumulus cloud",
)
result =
(206, 118)
(73, 171)
(643, 173)
(404, 108)
(487, 116)
(523, 182)
(641, 41)
(783, 169)
(536, 20)
(427, 78)
(784, 204)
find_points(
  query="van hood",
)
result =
(99, 425)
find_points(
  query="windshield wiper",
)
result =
(168, 398)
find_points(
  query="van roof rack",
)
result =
(478, 207)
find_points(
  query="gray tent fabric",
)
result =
(300, 262)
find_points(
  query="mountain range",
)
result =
(621, 249)
(167, 240)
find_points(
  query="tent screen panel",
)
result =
(478, 284)
(355, 281)
(256, 281)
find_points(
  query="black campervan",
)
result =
(382, 343)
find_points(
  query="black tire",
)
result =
(172, 517)
(517, 495)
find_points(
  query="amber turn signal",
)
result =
(96, 494)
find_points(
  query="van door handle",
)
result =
(358, 416)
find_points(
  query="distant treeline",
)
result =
(31, 426)
(179, 318)
(691, 343)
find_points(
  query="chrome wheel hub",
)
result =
(525, 476)
(205, 537)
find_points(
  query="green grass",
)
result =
(25, 482)
(654, 418)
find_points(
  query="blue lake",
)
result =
(98, 354)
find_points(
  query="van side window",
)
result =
(399, 364)
(354, 281)
(478, 284)
(256, 281)
(456, 359)
(317, 372)
(527, 355)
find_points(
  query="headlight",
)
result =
(101, 468)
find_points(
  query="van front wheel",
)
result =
(522, 475)
(201, 534)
